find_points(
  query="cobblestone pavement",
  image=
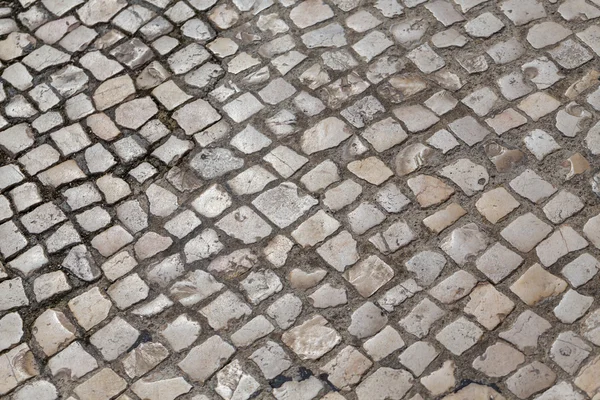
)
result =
(299, 199)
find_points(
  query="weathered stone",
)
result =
(530, 379)
(207, 358)
(498, 360)
(312, 339)
(101, 386)
(114, 338)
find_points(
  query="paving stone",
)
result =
(153, 307)
(284, 204)
(233, 381)
(525, 232)
(470, 177)
(441, 380)
(416, 118)
(13, 294)
(395, 237)
(572, 306)
(570, 54)
(293, 161)
(342, 195)
(391, 198)
(584, 379)
(252, 331)
(367, 320)
(50, 284)
(261, 285)
(580, 270)
(73, 362)
(426, 265)
(411, 158)
(271, 359)
(29, 261)
(327, 296)
(421, 318)
(41, 389)
(506, 52)
(498, 262)
(11, 326)
(444, 12)
(162, 202)
(326, 134)
(546, 33)
(488, 306)
(113, 188)
(398, 294)
(52, 331)
(305, 389)
(499, 360)
(536, 285)
(429, 190)
(102, 385)
(383, 343)
(150, 244)
(474, 390)
(563, 390)
(17, 138)
(481, 101)
(371, 169)
(197, 286)
(562, 242)
(532, 186)
(111, 240)
(339, 251)
(118, 265)
(64, 236)
(148, 387)
(530, 379)
(347, 368)
(331, 35)
(525, 331)
(453, 288)
(181, 332)
(315, 229)
(128, 291)
(504, 158)
(188, 120)
(211, 163)
(17, 365)
(459, 336)
(311, 339)
(321, 176)
(285, 310)
(114, 339)
(223, 309)
(369, 275)
(135, 113)
(245, 225)
(234, 264)
(143, 358)
(569, 351)
(418, 356)
(464, 243)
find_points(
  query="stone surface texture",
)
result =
(299, 199)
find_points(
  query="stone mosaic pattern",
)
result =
(299, 199)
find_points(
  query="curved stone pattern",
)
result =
(299, 199)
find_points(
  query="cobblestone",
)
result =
(299, 199)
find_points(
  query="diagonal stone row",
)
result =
(296, 200)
